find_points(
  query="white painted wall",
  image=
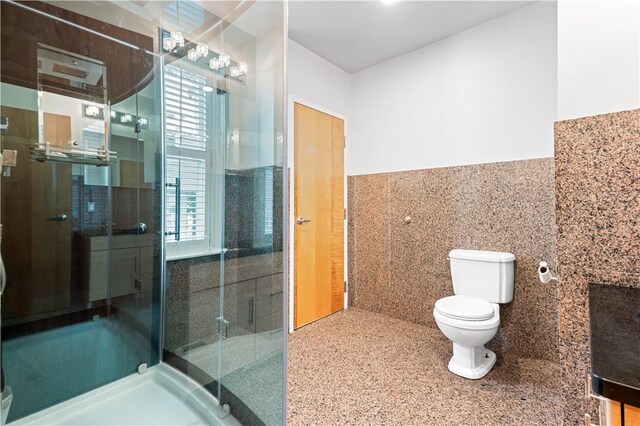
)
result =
(484, 95)
(598, 57)
(316, 82)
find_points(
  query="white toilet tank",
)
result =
(486, 275)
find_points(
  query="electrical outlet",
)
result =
(91, 207)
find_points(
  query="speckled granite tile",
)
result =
(598, 191)
(501, 206)
(598, 233)
(370, 208)
(575, 365)
(573, 299)
(351, 240)
(384, 371)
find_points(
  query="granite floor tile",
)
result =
(359, 367)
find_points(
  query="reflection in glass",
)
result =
(72, 108)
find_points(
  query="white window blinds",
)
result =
(185, 109)
(187, 213)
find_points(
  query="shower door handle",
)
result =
(176, 231)
(301, 220)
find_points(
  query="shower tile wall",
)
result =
(401, 269)
(598, 211)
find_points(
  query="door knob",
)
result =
(302, 220)
(60, 218)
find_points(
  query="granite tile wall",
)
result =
(597, 163)
(400, 269)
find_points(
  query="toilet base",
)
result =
(471, 363)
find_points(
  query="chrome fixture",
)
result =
(202, 50)
(238, 71)
(301, 220)
(60, 218)
(224, 60)
(175, 39)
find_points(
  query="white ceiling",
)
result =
(358, 34)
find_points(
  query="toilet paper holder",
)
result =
(544, 273)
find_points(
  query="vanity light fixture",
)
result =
(224, 60)
(177, 38)
(192, 54)
(174, 40)
(238, 71)
(202, 49)
(92, 111)
(126, 118)
(168, 44)
(113, 114)
(143, 121)
(214, 64)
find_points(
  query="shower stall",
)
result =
(142, 208)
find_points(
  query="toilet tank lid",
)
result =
(483, 256)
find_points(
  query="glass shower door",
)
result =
(76, 312)
(252, 368)
(224, 145)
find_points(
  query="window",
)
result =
(187, 211)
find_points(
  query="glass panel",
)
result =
(252, 367)
(82, 255)
(192, 228)
(224, 315)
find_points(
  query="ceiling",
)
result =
(354, 35)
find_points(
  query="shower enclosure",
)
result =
(142, 212)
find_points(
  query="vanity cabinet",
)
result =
(623, 414)
(132, 257)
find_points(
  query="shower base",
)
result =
(161, 396)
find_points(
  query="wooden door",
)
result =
(319, 215)
(36, 245)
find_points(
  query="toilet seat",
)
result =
(465, 308)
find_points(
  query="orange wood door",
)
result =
(319, 201)
(623, 414)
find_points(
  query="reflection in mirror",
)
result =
(72, 108)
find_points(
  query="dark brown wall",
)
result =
(128, 70)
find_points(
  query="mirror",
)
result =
(73, 112)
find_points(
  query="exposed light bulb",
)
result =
(202, 49)
(238, 71)
(177, 38)
(126, 118)
(214, 64)
(224, 60)
(168, 44)
(92, 111)
(192, 54)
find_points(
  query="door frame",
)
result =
(291, 214)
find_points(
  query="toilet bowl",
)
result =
(470, 318)
(469, 323)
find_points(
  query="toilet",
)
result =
(481, 280)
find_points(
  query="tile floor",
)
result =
(359, 367)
